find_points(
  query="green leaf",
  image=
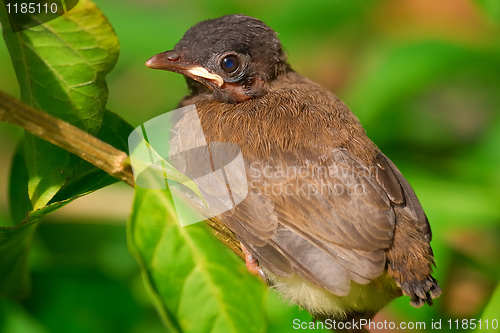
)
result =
(15, 242)
(19, 200)
(89, 178)
(61, 66)
(492, 313)
(196, 284)
(142, 156)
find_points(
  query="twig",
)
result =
(91, 149)
(62, 134)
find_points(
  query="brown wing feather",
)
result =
(328, 237)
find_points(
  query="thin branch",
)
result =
(62, 134)
(88, 147)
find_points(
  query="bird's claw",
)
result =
(253, 265)
(421, 291)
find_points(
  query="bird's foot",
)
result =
(420, 291)
(253, 265)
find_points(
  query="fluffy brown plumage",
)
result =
(339, 253)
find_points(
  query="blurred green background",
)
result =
(423, 76)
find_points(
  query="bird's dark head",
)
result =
(234, 56)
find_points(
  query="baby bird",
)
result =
(328, 220)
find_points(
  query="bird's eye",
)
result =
(230, 63)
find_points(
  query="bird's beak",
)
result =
(172, 61)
